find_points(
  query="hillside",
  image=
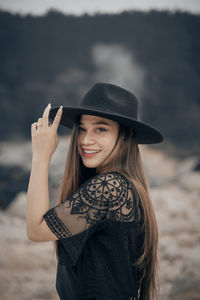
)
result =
(56, 58)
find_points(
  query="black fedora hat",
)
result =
(112, 102)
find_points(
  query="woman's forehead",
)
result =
(96, 119)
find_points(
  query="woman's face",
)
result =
(96, 139)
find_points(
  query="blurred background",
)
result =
(54, 52)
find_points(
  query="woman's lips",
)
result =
(89, 154)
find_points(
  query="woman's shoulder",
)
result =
(112, 185)
(114, 178)
(111, 191)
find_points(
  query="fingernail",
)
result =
(61, 106)
(49, 104)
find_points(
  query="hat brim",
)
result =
(145, 134)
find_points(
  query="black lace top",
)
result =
(99, 239)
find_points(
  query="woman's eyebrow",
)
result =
(97, 123)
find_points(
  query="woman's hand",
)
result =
(44, 136)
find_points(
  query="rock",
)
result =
(197, 167)
(160, 169)
(25, 267)
(185, 288)
(175, 193)
(190, 181)
(14, 179)
(187, 165)
(18, 206)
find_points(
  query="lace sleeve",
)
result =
(105, 196)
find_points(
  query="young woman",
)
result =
(103, 226)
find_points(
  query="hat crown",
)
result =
(112, 99)
(113, 102)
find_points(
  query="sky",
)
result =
(78, 7)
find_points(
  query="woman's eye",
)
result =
(100, 129)
(80, 129)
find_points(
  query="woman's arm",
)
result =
(37, 196)
(44, 143)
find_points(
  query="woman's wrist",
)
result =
(40, 160)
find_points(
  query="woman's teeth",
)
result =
(90, 151)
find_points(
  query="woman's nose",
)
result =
(87, 138)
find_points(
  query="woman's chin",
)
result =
(90, 165)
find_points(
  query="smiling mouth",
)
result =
(90, 153)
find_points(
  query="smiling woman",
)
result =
(104, 227)
(96, 144)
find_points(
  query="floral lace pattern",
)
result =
(107, 196)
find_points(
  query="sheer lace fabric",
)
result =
(97, 240)
(108, 196)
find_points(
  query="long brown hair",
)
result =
(127, 160)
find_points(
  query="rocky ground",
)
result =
(28, 270)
